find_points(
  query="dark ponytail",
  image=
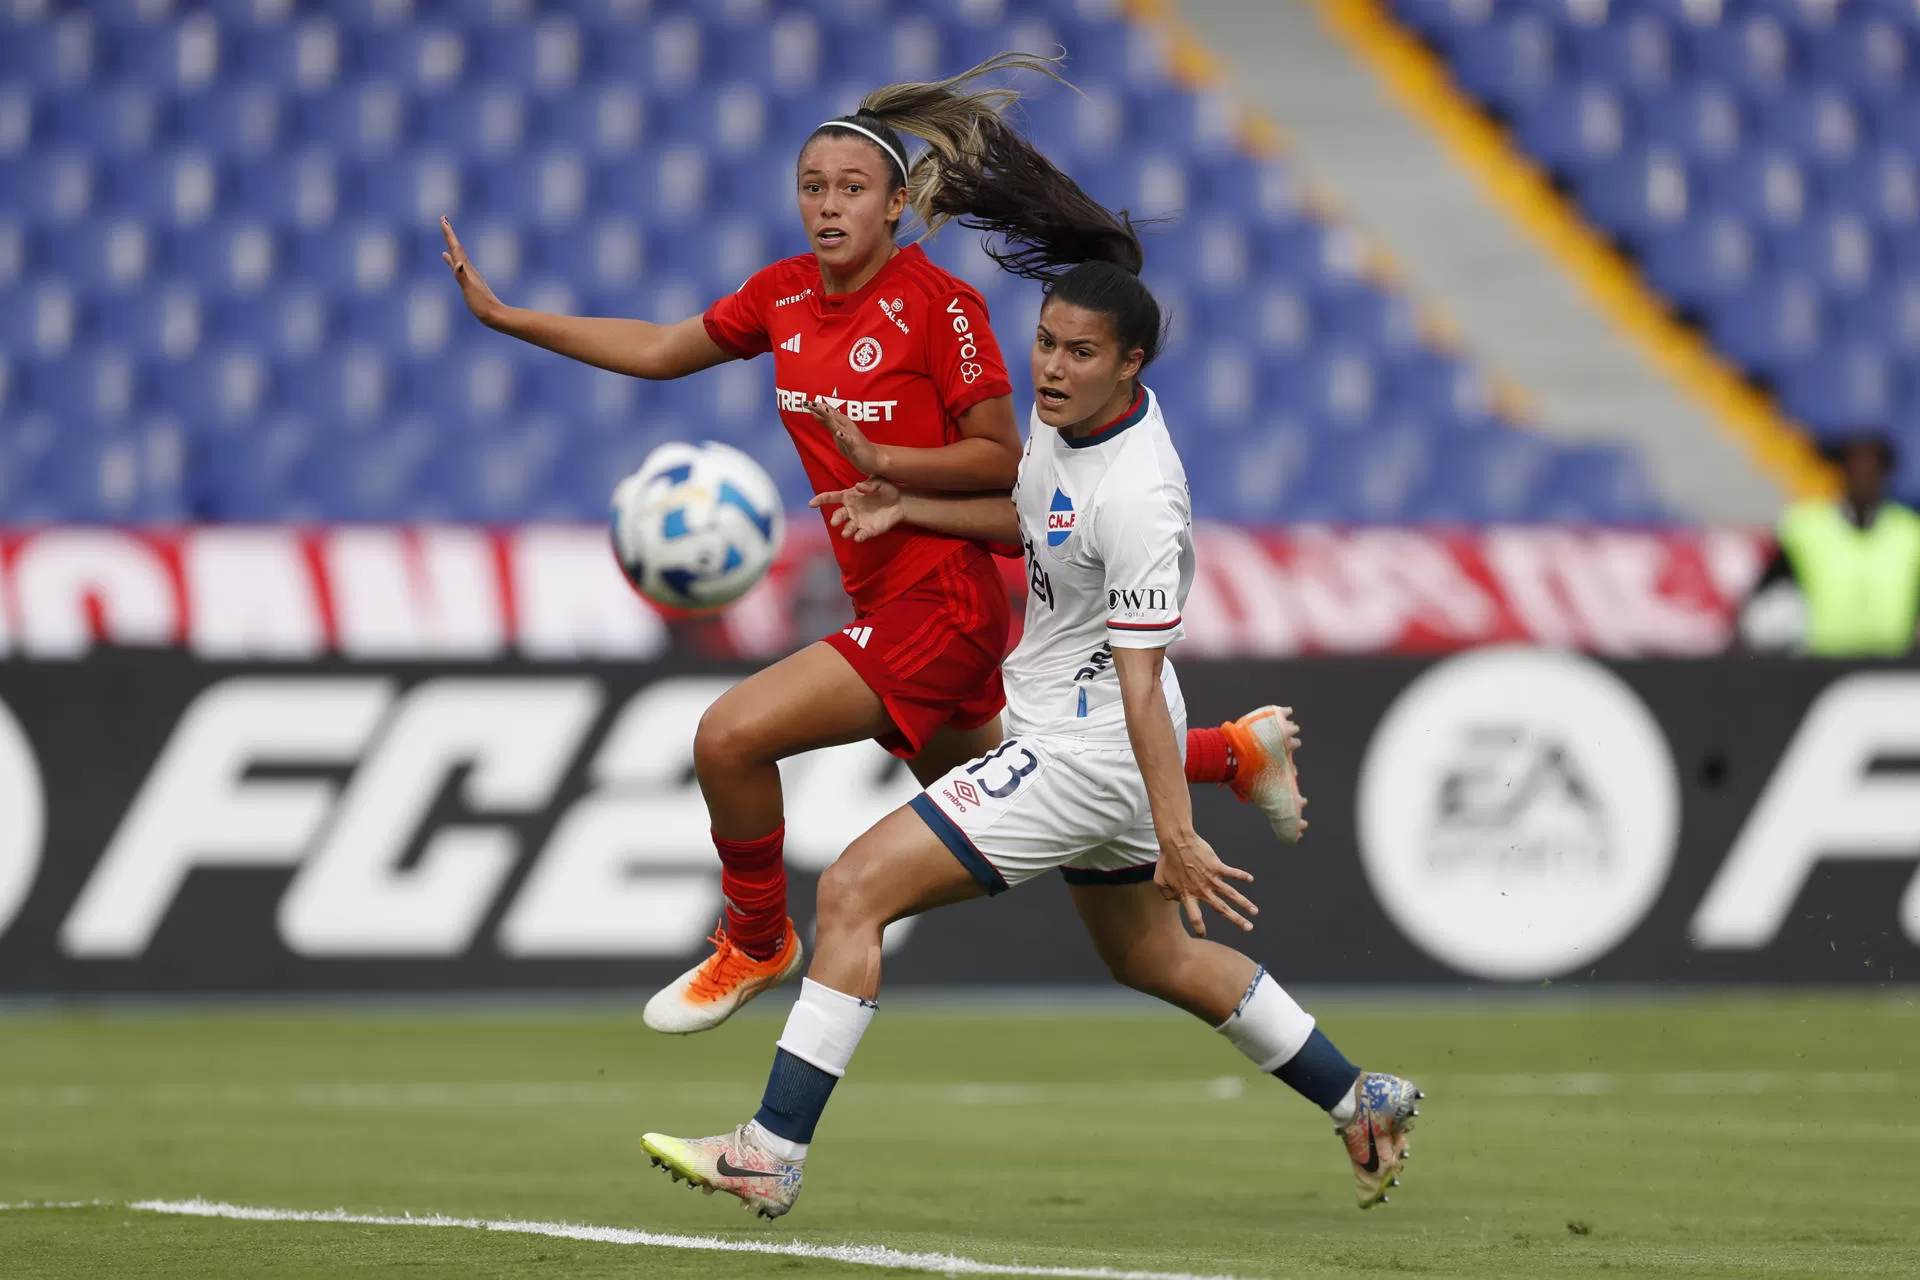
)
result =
(979, 172)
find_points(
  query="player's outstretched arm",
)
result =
(872, 507)
(985, 458)
(1189, 872)
(635, 347)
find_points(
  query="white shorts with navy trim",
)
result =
(1040, 802)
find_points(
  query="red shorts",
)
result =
(933, 652)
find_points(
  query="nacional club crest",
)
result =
(1060, 518)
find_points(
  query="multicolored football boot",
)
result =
(733, 1163)
(708, 994)
(1263, 745)
(1376, 1137)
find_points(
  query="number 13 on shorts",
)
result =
(1032, 804)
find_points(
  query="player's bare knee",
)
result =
(1153, 965)
(723, 744)
(846, 899)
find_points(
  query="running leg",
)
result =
(897, 869)
(1139, 936)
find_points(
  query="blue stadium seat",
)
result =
(1837, 250)
(1702, 120)
(240, 121)
(1575, 124)
(50, 55)
(1751, 52)
(1602, 479)
(1507, 61)
(102, 254)
(219, 386)
(51, 186)
(1881, 186)
(1635, 52)
(1379, 475)
(1440, 387)
(308, 54)
(1821, 124)
(1492, 475)
(1840, 387)
(1766, 188)
(1336, 387)
(167, 322)
(118, 121)
(1888, 312)
(485, 121)
(219, 242)
(359, 118)
(1771, 325)
(1868, 53)
(606, 119)
(1638, 195)
(1703, 260)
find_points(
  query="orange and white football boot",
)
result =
(708, 994)
(1263, 745)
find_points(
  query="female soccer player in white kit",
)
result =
(1090, 779)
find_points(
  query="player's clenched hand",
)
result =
(480, 299)
(849, 439)
(865, 511)
(1191, 873)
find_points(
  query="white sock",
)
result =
(825, 1026)
(1342, 1111)
(768, 1140)
(1269, 1027)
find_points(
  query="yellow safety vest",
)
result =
(1862, 586)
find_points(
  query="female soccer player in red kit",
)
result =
(884, 366)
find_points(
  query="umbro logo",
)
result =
(859, 635)
(791, 344)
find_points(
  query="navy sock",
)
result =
(797, 1092)
(1319, 1073)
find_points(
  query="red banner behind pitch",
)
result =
(552, 592)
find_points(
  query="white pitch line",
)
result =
(492, 1094)
(537, 1094)
(859, 1255)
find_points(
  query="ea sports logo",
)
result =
(23, 809)
(865, 355)
(1518, 812)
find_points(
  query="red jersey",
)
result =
(903, 357)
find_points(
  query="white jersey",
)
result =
(1108, 529)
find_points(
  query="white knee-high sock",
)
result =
(825, 1026)
(823, 1029)
(1269, 1026)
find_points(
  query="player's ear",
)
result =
(896, 205)
(1130, 366)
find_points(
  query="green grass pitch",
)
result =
(1728, 1136)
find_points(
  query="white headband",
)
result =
(877, 140)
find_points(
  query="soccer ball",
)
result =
(696, 526)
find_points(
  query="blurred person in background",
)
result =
(1844, 581)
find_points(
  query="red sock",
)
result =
(753, 878)
(1209, 756)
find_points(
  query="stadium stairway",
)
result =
(1514, 304)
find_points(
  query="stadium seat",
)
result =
(222, 218)
(1785, 220)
